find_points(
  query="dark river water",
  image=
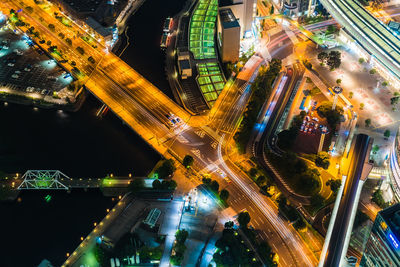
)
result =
(80, 145)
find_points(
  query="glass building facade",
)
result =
(383, 246)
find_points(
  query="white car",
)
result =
(15, 76)
(10, 64)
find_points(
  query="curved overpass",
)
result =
(368, 32)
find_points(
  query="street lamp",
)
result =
(336, 90)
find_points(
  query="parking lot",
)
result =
(26, 68)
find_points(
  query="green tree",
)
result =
(188, 161)
(253, 172)
(224, 194)
(386, 133)
(181, 236)
(351, 95)
(332, 116)
(261, 180)
(334, 185)
(314, 91)
(136, 185)
(156, 184)
(317, 201)
(385, 83)
(214, 186)
(243, 219)
(338, 81)
(322, 57)
(52, 27)
(367, 122)
(68, 41)
(166, 169)
(377, 197)
(372, 71)
(172, 185)
(48, 43)
(80, 50)
(322, 160)
(206, 180)
(228, 225)
(375, 149)
(334, 60)
(361, 60)
(271, 11)
(29, 9)
(362, 105)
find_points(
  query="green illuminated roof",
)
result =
(202, 27)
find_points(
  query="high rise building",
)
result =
(244, 11)
(228, 35)
(297, 8)
(383, 246)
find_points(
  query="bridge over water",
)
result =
(57, 180)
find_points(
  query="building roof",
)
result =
(84, 5)
(185, 64)
(391, 216)
(95, 25)
(228, 19)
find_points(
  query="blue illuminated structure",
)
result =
(383, 246)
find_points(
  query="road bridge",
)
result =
(57, 180)
(356, 168)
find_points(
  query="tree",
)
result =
(361, 60)
(339, 81)
(206, 181)
(322, 160)
(101, 256)
(377, 197)
(91, 60)
(367, 122)
(244, 219)
(322, 57)
(372, 71)
(362, 105)
(172, 185)
(386, 133)
(332, 116)
(253, 172)
(80, 50)
(314, 91)
(214, 186)
(166, 169)
(29, 9)
(48, 42)
(385, 83)
(136, 185)
(261, 180)
(224, 194)
(375, 149)
(52, 27)
(334, 185)
(156, 184)
(68, 41)
(271, 11)
(394, 100)
(181, 236)
(73, 63)
(317, 201)
(228, 225)
(61, 35)
(351, 95)
(334, 60)
(188, 161)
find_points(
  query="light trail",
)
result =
(264, 207)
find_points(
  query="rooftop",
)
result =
(84, 5)
(228, 19)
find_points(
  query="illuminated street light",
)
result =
(337, 90)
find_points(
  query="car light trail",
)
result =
(263, 206)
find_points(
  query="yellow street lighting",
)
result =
(67, 254)
(108, 210)
(95, 224)
(81, 238)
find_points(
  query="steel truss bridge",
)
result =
(43, 179)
